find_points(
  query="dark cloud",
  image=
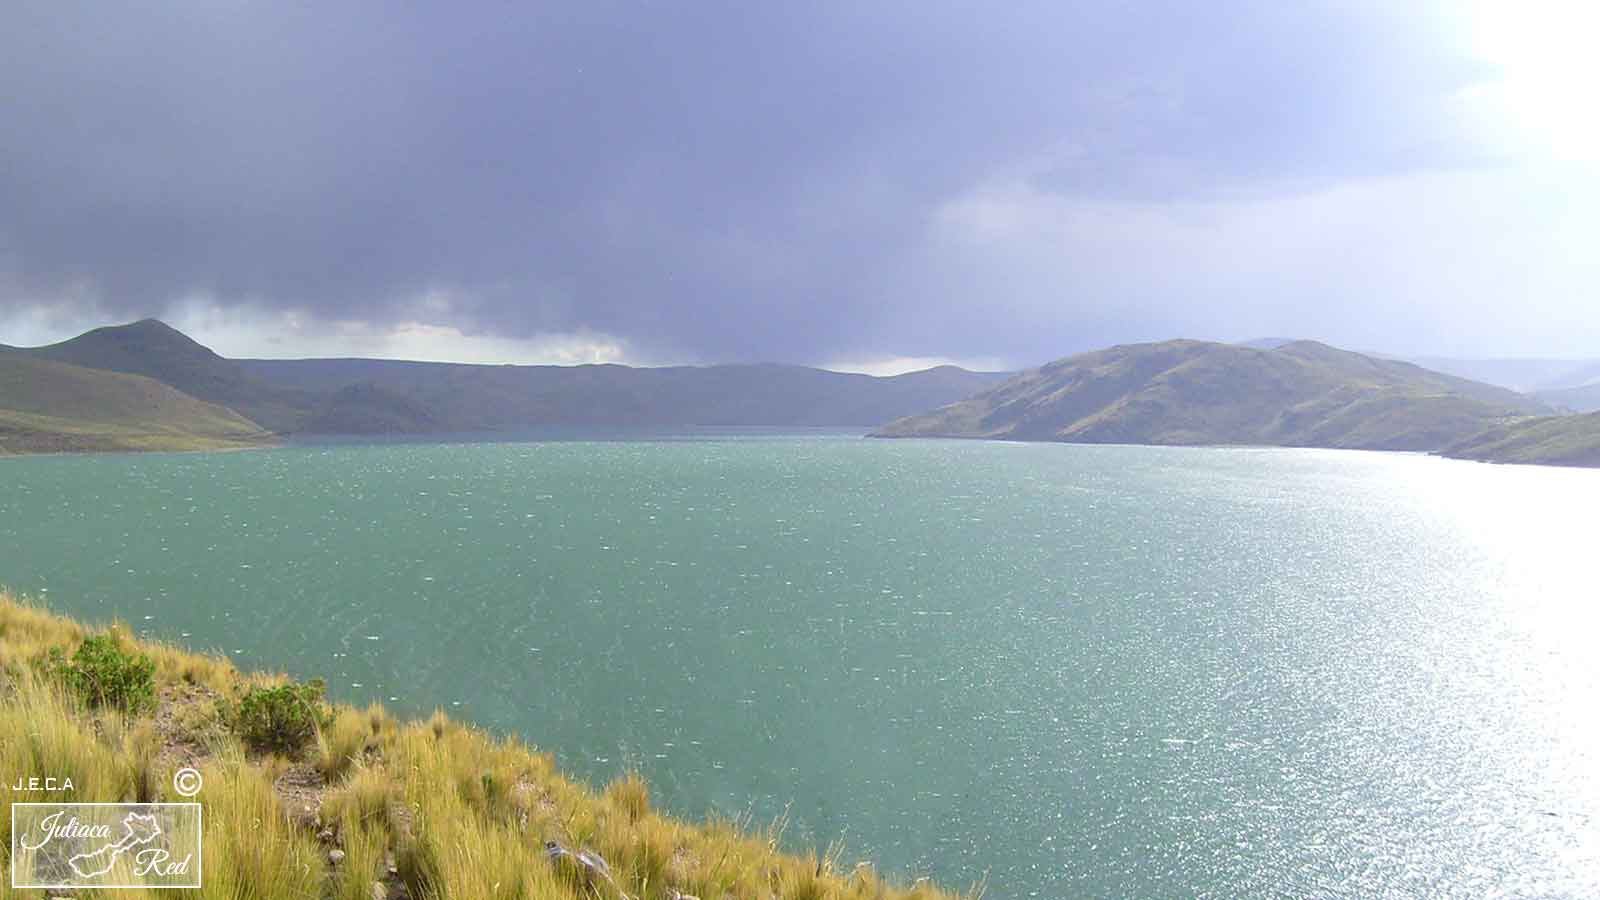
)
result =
(717, 180)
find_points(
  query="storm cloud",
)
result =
(787, 181)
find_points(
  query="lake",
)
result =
(1084, 670)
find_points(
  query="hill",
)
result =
(1527, 375)
(159, 351)
(54, 407)
(1546, 440)
(458, 397)
(305, 799)
(363, 396)
(369, 409)
(367, 396)
(1194, 392)
(1578, 399)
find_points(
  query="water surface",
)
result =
(1086, 671)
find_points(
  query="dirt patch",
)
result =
(300, 790)
(186, 721)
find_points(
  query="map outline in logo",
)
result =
(132, 827)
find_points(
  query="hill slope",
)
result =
(49, 406)
(1577, 399)
(365, 396)
(1546, 440)
(159, 351)
(371, 806)
(458, 397)
(1194, 392)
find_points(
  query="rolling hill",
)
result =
(365, 396)
(1542, 377)
(156, 350)
(455, 397)
(1300, 393)
(1545, 440)
(1578, 399)
(49, 406)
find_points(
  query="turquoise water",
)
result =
(1086, 671)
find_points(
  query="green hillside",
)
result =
(366, 396)
(369, 409)
(159, 351)
(1545, 440)
(430, 397)
(1194, 392)
(55, 407)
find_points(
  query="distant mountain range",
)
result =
(1526, 375)
(1569, 384)
(364, 396)
(1299, 394)
(1566, 384)
(149, 386)
(422, 397)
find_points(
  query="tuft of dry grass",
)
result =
(367, 798)
(365, 842)
(629, 795)
(343, 743)
(461, 813)
(252, 849)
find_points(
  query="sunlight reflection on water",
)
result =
(1096, 671)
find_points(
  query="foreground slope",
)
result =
(1545, 440)
(1301, 393)
(372, 807)
(49, 407)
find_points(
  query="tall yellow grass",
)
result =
(442, 807)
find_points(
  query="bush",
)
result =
(281, 719)
(104, 674)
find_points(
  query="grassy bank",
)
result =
(1546, 440)
(26, 434)
(353, 803)
(53, 407)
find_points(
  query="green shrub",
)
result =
(104, 674)
(281, 719)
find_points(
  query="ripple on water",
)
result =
(1096, 671)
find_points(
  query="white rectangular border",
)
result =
(199, 852)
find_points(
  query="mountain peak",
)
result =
(149, 325)
(1309, 346)
(156, 350)
(143, 336)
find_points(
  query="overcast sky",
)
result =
(867, 185)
